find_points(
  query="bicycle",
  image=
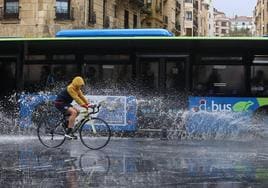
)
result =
(94, 132)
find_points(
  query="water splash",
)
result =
(156, 111)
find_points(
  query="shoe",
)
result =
(71, 136)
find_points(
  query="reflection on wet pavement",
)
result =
(134, 163)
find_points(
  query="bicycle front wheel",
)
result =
(95, 133)
(49, 135)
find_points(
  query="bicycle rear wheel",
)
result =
(49, 135)
(95, 133)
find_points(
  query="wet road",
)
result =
(134, 162)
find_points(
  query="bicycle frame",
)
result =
(86, 117)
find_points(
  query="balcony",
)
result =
(140, 3)
(178, 26)
(196, 5)
(178, 7)
(147, 10)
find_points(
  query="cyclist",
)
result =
(65, 98)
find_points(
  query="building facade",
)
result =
(222, 24)
(197, 17)
(43, 18)
(190, 17)
(163, 14)
(211, 19)
(261, 18)
(242, 26)
(204, 18)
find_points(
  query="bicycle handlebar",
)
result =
(94, 107)
(95, 110)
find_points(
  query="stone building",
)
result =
(188, 18)
(43, 18)
(222, 24)
(261, 18)
(205, 18)
(163, 14)
(197, 17)
(182, 17)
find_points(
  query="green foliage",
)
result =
(244, 32)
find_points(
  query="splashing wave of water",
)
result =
(157, 111)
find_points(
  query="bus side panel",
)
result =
(220, 115)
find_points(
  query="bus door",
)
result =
(176, 74)
(7, 74)
(165, 76)
(163, 73)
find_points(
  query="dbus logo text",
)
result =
(214, 106)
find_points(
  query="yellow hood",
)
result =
(78, 82)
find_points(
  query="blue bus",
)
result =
(195, 73)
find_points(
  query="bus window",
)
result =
(7, 75)
(149, 73)
(91, 74)
(219, 79)
(109, 75)
(175, 75)
(38, 77)
(259, 84)
(107, 70)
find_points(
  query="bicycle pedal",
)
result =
(70, 137)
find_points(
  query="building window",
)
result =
(11, 9)
(166, 20)
(135, 21)
(160, 7)
(106, 19)
(91, 13)
(223, 31)
(259, 80)
(63, 9)
(223, 24)
(189, 15)
(126, 19)
(115, 11)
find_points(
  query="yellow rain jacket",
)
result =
(74, 90)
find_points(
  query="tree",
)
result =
(244, 32)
